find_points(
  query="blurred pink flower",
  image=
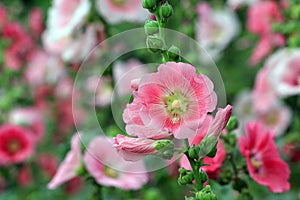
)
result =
(100, 153)
(43, 68)
(284, 76)
(102, 88)
(68, 169)
(24, 176)
(16, 144)
(36, 21)
(273, 115)
(120, 11)
(173, 100)
(31, 118)
(263, 160)
(47, 163)
(65, 16)
(125, 72)
(261, 16)
(215, 29)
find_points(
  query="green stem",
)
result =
(161, 25)
(195, 167)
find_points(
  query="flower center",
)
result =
(110, 172)
(119, 2)
(13, 146)
(256, 164)
(176, 106)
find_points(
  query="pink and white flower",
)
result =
(69, 168)
(173, 100)
(116, 11)
(31, 118)
(263, 160)
(100, 159)
(215, 29)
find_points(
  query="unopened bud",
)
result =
(232, 124)
(174, 53)
(154, 43)
(151, 27)
(165, 11)
(194, 152)
(185, 176)
(150, 4)
(206, 194)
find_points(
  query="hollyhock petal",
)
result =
(219, 122)
(71, 164)
(262, 49)
(100, 152)
(129, 10)
(133, 149)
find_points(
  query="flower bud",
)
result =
(206, 194)
(151, 27)
(154, 43)
(174, 53)
(194, 152)
(165, 11)
(207, 145)
(213, 152)
(185, 176)
(160, 144)
(232, 124)
(203, 176)
(150, 4)
(165, 148)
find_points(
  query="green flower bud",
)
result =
(194, 152)
(165, 11)
(185, 177)
(151, 27)
(206, 194)
(203, 176)
(165, 148)
(154, 43)
(150, 4)
(232, 124)
(213, 152)
(174, 53)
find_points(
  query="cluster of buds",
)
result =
(290, 27)
(153, 28)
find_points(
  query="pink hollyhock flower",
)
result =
(65, 16)
(36, 21)
(73, 48)
(261, 16)
(215, 29)
(120, 11)
(173, 100)
(48, 164)
(292, 151)
(16, 144)
(68, 169)
(263, 160)
(74, 186)
(102, 88)
(100, 152)
(133, 149)
(125, 72)
(275, 116)
(31, 118)
(43, 69)
(24, 176)
(285, 75)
